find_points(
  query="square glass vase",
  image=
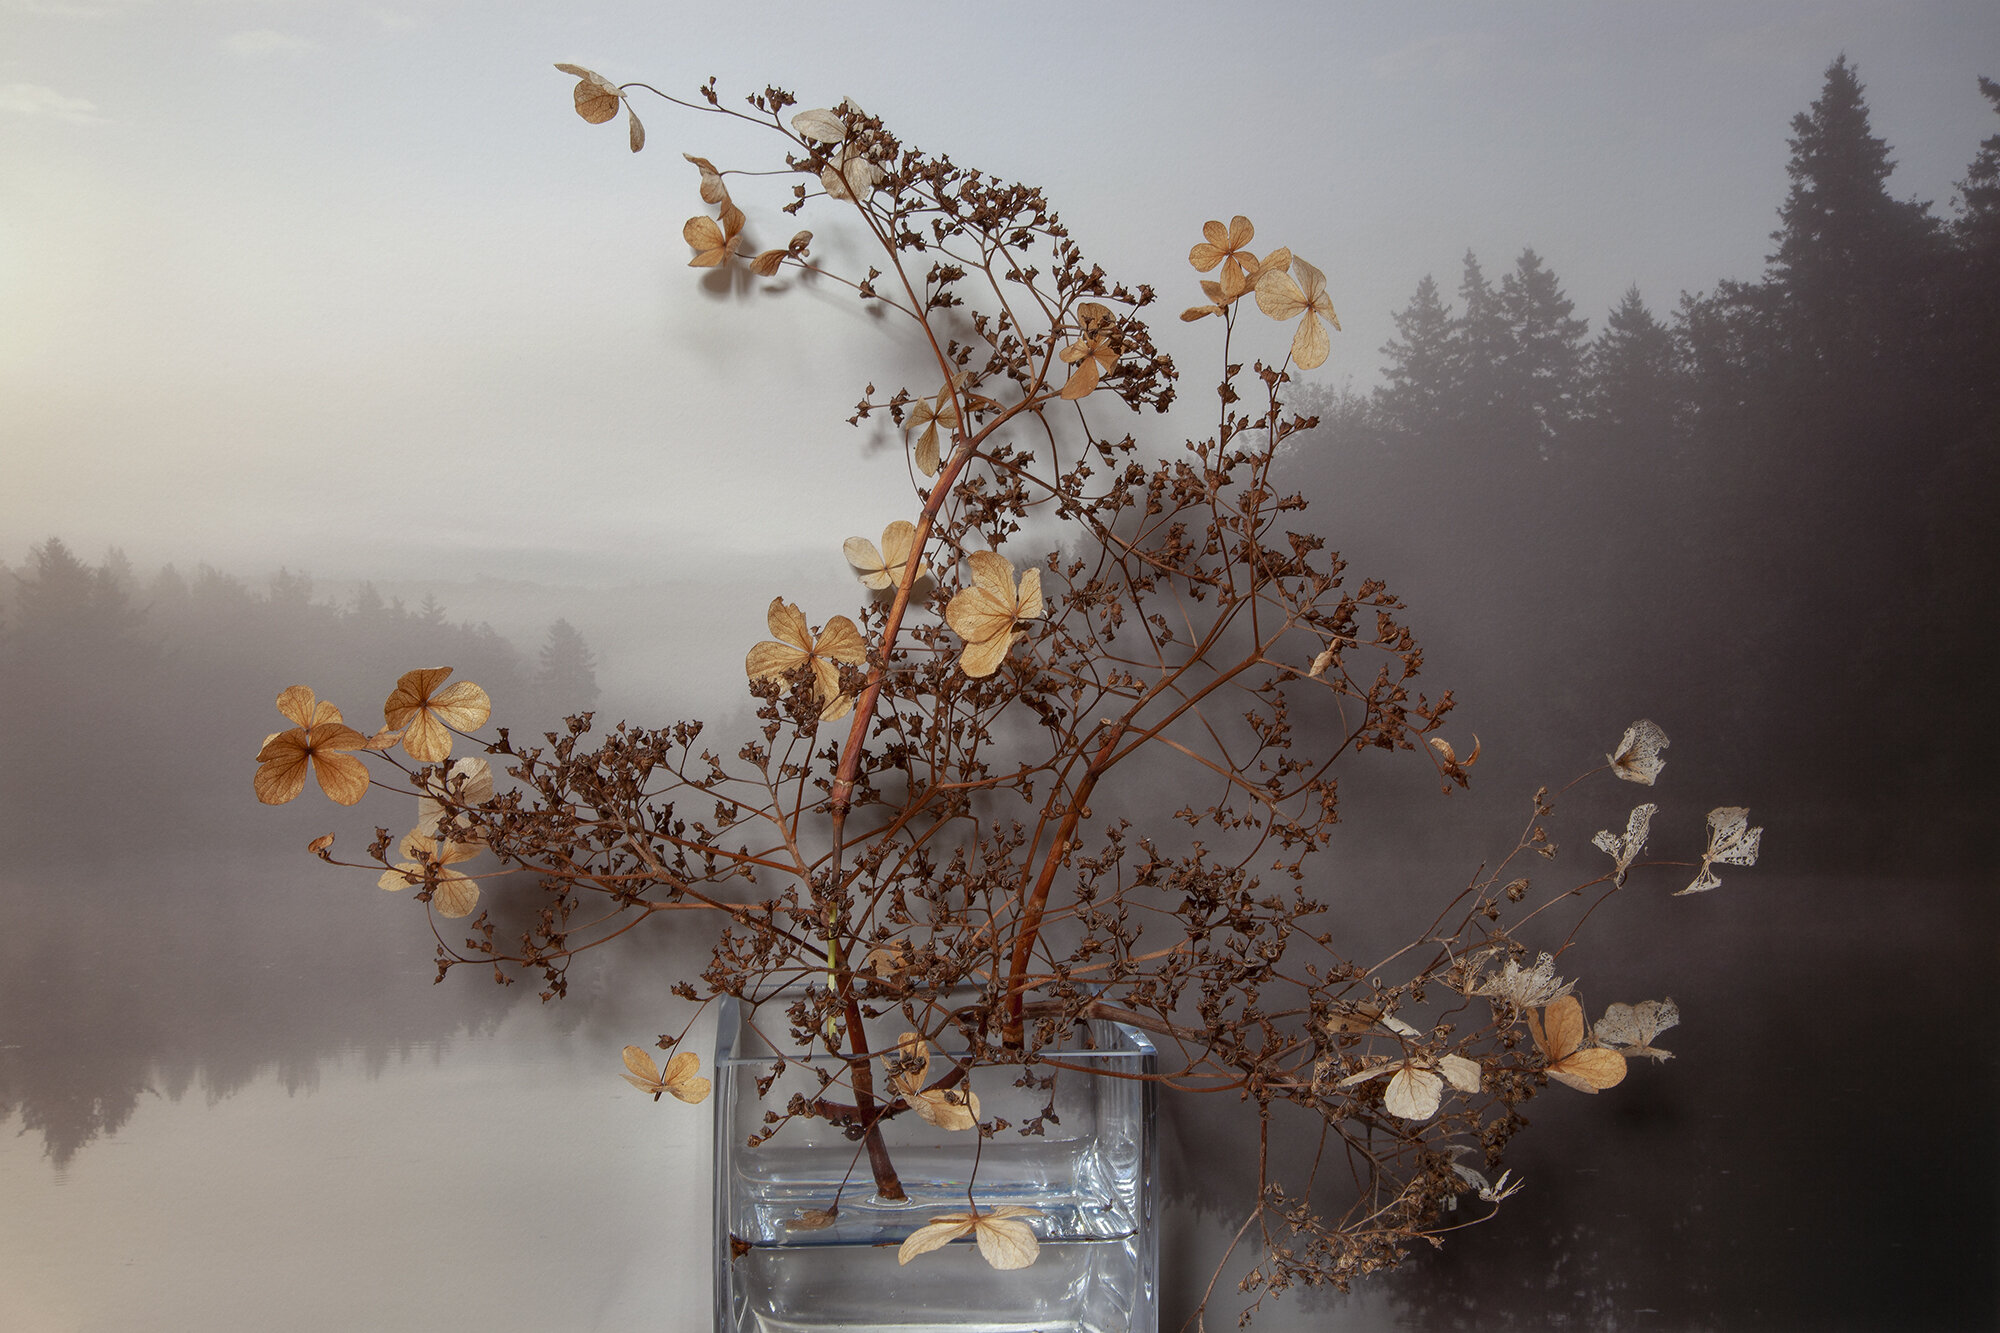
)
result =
(1090, 1176)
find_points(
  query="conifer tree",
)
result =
(1631, 374)
(1416, 399)
(566, 670)
(1975, 297)
(71, 614)
(1852, 263)
(1977, 226)
(290, 593)
(1541, 368)
(1727, 344)
(1479, 348)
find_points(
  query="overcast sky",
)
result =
(349, 287)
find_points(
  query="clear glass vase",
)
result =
(1089, 1175)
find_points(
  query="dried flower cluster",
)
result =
(1056, 626)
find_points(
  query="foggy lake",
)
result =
(221, 1122)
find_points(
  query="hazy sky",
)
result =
(349, 287)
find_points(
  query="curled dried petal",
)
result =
(597, 97)
(820, 126)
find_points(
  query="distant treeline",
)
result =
(169, 679)
(1769, 516)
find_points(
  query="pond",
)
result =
(221, 1117)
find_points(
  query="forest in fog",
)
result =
(1764, 511)
(1760, 513)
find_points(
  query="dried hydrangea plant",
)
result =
(931, 806)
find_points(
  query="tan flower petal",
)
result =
(910, 1064)
(1219, 243)
(933, 1236)
(451, 853)
(767, 659)
(1590, 1070)
(455, 895)
(947, 1108)
(713, 191)
(840, 706)
(812, 1219)
(463, 706)
(679, 1078)
(1029, 603)
(1310, 343)
(404, 876)
(868, 562)
(980, 660)
(417, 706)
(765, 265)
(472, 781)
(427, 739)
(635, 132)
(788, 624)
(1279, 297)
(1460, 1072)
(1082, 381)
(994, 574)
(1005, 1242)
(975, 616)
(1565, 1027)
(841, 641)
(773, 659)
(596, 97)
(296, 703)
(1413, 1093)
(851, 176)
(711, 245)
(826, 681)
(281, 768)
(898, 540)
(645, 1071)
(341, 776)
(884, 568)
(820, 126)
(680, 1067)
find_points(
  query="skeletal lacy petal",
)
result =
(1633, 1027)
(1637, 758)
